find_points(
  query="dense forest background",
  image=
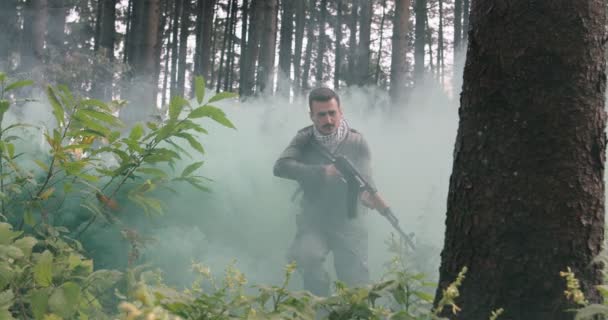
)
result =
(252, 47)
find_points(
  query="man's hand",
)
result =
(331, 171)
(367, 200)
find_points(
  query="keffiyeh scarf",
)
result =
(331, 141)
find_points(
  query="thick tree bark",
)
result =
(35, 19)
(299, 41)
(285, 45)
(321, 44)
(526, 196)
(268, 47)
(399, 52)
(363, 51)
(419, 39)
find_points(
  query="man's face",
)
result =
(326, 116)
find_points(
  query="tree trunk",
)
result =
(526, 195)
(224, 45)
(267, 47)
(143, 59)
(399, 52)
(204, 25)
(310, 39)
(231, 55)
(102, 87)
(253, 46)
(243, 61)
(299, 37)
(184, 32)
(379, 58)
(321, 44)
(465, 22)
(352, 43)
(338, 62)
(58, 12)
(419, 39)
(284, 78)
(10, 31)
(177, 13)
(35, 19)
(457, 26)
(440, 45)
(363, 52)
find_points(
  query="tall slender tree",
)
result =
(352, 43)
(8, 37)
(363, 51)
(184, 32)
(268, 47)
(399, 52)
(35, 17)
(299, 42)
(339, 35)
(104, 44)
(285, 47)
(319, 64)
(526, 197)
(419, 38)
(204, 27)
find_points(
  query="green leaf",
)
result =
(43, 270)
(58, 110)
(212, 112)
(64, 301)
(39, 302)
(26, 244)
(2, 77)
(6, 299)
(176, 105)
(152, 171)
(193, 142)
(199, 88)
(11, 150)
(222, 96)
(191, 168)
(10, 252)
(4, 105)
(28, 218)
(7, 234)
(102, 116)
(90, 123)
(96, 103)
(42, 165)
(137, 132)
(18, 84)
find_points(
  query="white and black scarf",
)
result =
(332, 140)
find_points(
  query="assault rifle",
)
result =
(353, 176)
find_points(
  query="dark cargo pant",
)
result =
(312, 244)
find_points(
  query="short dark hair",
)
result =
(322, 94)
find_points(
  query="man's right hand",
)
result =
(331, 171)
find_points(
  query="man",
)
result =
(325, 223)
